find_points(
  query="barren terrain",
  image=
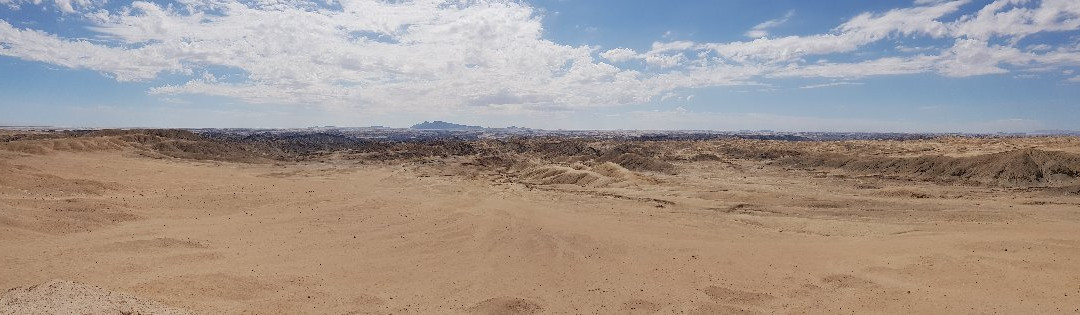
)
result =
(173, 222)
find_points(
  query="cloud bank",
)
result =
(492, 56)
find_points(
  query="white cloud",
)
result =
(1014, 19)
(660, 56)
(664, 47)
(405, 56)
(65, 6)
(830, 84)
(664, 61)
(1040, 47)
(918, 20)
(676, 97)
(875, 67)
(620, 54)
(122, 64)
(975, 57)
(491, 55)
(906, 49)
(756, 33)
(762, 29)
(1075, 79)
(848, 37)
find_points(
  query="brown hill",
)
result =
(1023, 168)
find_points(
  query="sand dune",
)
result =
(170, 222)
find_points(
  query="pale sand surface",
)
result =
(343, 237)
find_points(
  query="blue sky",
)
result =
(915, 66)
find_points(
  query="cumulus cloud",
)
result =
(122, 64)
(405, 55)
(491, 55)
(662, 54)
(620, 54)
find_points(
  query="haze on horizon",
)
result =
(909, 66)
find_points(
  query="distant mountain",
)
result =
(442, 125)
(1056, 132)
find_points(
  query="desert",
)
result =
(539, 157)
(179, 222)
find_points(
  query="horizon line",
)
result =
(74, 128)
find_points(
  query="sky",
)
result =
(785, 65)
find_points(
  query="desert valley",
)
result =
(175, 222)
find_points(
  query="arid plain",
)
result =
(171, 222)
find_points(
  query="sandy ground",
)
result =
(342, 237)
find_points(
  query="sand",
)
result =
(108, 227)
